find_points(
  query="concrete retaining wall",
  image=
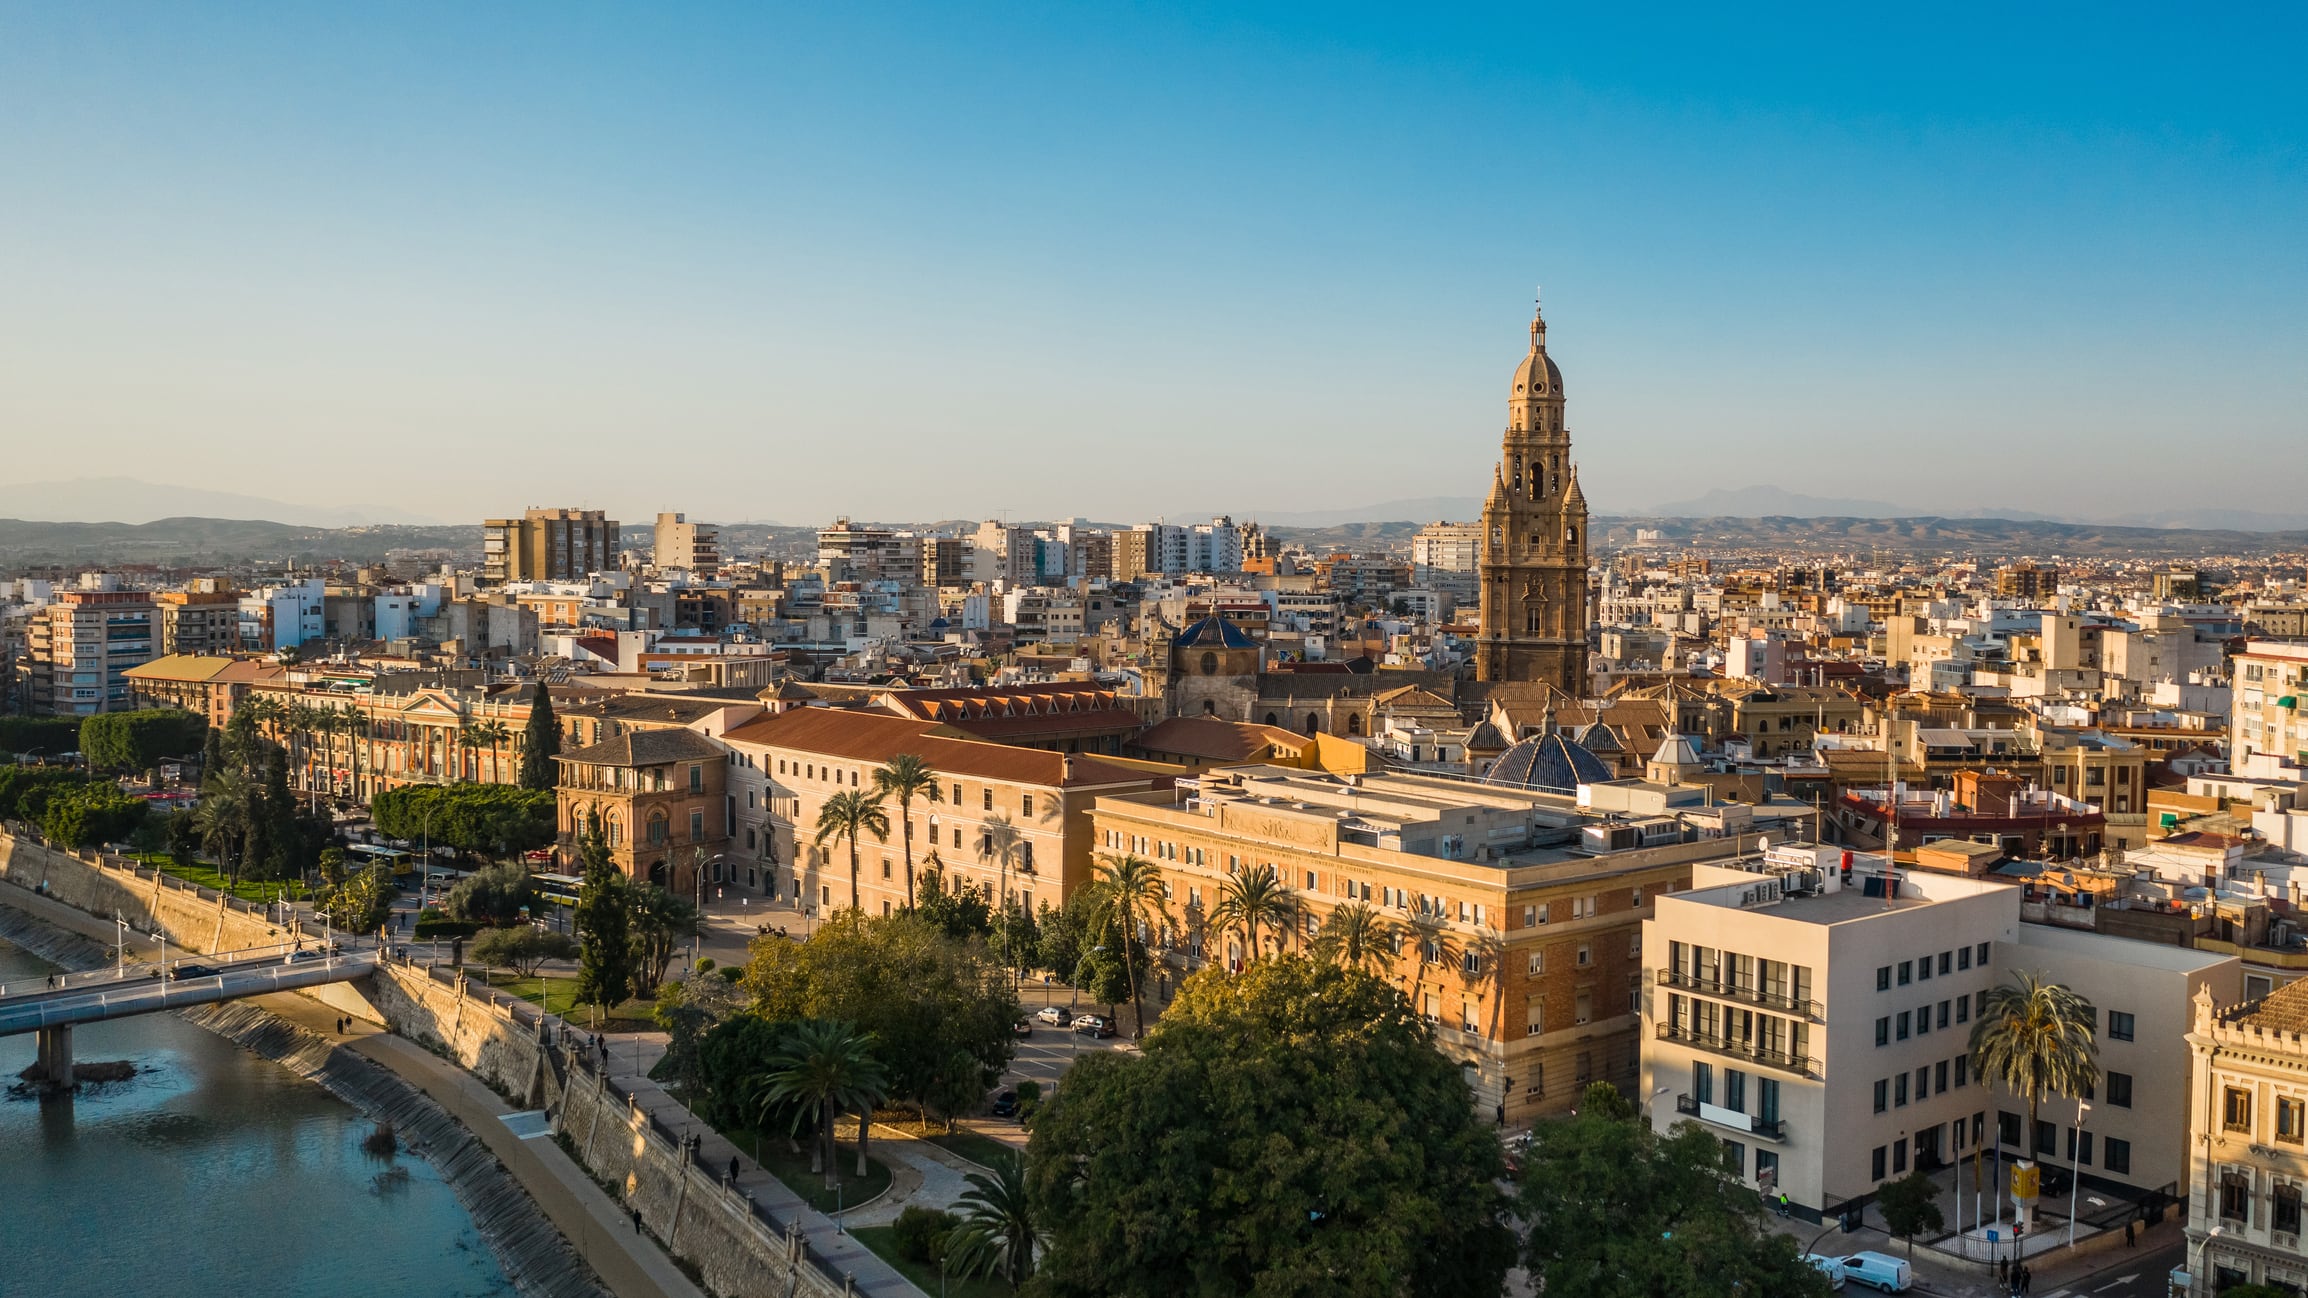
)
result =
(194, 918)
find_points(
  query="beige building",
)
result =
(548, 545)
(78, 652)
(1015, 821)
(694, 548)
(1824, 1032)
(1518, 923)
(2266, 734)
(2248, 1116)
(199, 622)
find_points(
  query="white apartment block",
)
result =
(1824, 1033)
(2266, 734)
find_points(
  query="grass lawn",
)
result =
(558, 995)
(793, 1169)
(209, 877)
(976, 1147)
(884, 1240)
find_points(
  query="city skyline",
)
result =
(519, 247)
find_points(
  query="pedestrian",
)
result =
(2128, 1230)
(2002, 1269)
(2027, 1280)
(636, 1221)
(733, 1169)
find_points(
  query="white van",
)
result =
(1879, 1271)
(1831, 1267)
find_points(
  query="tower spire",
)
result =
(1538, 322)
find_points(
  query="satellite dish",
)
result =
(1763, 844)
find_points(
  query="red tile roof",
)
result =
(876, 737)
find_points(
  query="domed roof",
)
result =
(1214, 633)
(1553, 763)
(1538, 376)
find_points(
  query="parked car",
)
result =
(1879, 1271)
(1094, 1025)
(1006, 1104)
(2056, 1181)
(1022, 1028)
(1831, 1267)
(191, 970)
(1052, 1015)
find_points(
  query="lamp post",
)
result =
(2075, 1167)
(2196, 1268)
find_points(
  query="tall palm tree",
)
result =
(826, 1066)
(357, 728)
(1004, 847)
(905, 778)
(303, 720)
(996, 1234)
(1357, 936)
(846, 815)
(1249, 899)
(1432, 938)
(2036, 1037)
(1128, 896)
(226, 806)
(492, 735)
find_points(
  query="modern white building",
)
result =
(2266, 733)
(1823, 1030)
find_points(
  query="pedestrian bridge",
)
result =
(53, 1007)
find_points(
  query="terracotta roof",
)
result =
(1209, 737)
(646, 748)
(2284, 1010)
(664, 709)
(866, 736)
(179, 667)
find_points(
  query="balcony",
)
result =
(1732, 1118)
(1752, 1053)
(1681, 981)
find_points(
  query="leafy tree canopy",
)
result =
(483, 819)
(521, 948)
(45, 736)
(362, 902)
(1617, 1210)
(91, 814)
(140, 740)
(1291, 1131)
(25, 790)
(492, 896)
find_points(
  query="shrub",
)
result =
(920, 1233)
(496, 895)
(1029, 1098)
(522, 948)
(432, 923)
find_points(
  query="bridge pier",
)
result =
(54, 1058)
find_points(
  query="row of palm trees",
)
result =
(854, 812)
(301, 723)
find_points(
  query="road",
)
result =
(2135, 1273)
(29, 1011)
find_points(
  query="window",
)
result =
(1943, 1007)
(1903, 1024)
(2047, 1136)
(2236, 1197)
(2120, 1095)
(696, 778)
(696, 826)
(1939, 1077)
(1875, 1164)
(1899, 1090)
(1923, 1020)
(2236, 1110)
(1963, 1009)
(1981, 958)
(2285, 1218)
(1882, 1093)
(1906, 972)
(1883, 1031)
(1537, 963)
(1883, 979)
(1962, 1070)
(1963, 958)
(1899, 1159)
(1923, 1082)
(885, 867)
(1979, 1001)
(1586, 955)
(1703, 1082)
(2007, 1127)
(989, 798)
(2289, 1116)
(1734, 1090)
(2119, 1155)
(1531, 917)
(1946, 962)
(1923, 968)
(2079, 1147)
(1635, 945)
(1766, 1167)
(1735, 1159)
(2120, 1026)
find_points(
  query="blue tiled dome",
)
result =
(1554, 763)
(1215, 633)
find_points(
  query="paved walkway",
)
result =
(2099, 1265)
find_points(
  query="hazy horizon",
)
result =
(1120, 263)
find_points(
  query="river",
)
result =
(213, 1172)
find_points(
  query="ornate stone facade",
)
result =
(1534, 559)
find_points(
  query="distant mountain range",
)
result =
(195, 541)
(133, 500)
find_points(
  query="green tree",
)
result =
(25, 790)
(1292, 1131)
(183, 837)
(1128, 900)
(521, 948)
(495, 896)
(1615, 1209)
(846, 815)
(962, 910)
(661, 922)
(1908, 1208)
(1356, 934)
(92, 815)
(226, 803)
(135, 742)
(1248, 900)
(492, 735)
(2036, 1038)
(905, 778)
(996, 1234)
(39, 736)
(492, 820)
(541, 742)
(731, 1057)
(603, 920)
(1058, 943)
(362, 903)
(829, 1068)
(689, 1010)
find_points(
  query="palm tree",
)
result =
(2036, 1037)
(996, 1234)
(492, 735)
(905, 778)
(1432, 938)
(828, 1066)
(1005, 847)
(357, 729)
(1357, 936)
(846, 815)
(1128, 897)
(223, 816)
(1252, 897)
(302, 721)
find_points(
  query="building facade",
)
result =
(2248, 1114)
(548, 545)
(694, 548)
(1534, 562)
(80, 648)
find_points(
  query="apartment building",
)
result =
(694, 548)
(1446, 557)
(1518, 930)
(2248, 1119)
(1822, 1029)
(79, 649)
(2268, 737)
(548, 545)
(198, 622)
(1015, 821)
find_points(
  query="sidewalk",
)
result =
(1939, 1273)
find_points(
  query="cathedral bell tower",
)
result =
(1534, 564)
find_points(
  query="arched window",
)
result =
(1209, 664)
(1209, 708)
(1273, 720)
(1354, 723)
(1313, 723)
(1571, 537)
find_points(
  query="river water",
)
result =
(212, 1172)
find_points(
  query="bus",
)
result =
(368, 854)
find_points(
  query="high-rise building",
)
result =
(2027, 581)
(198, 622)
(548, 545)
(1534, 564)
(79, 648)
(693, 548)
(1447, 557)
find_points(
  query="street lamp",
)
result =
(2075, 1174)
(2196, 1268)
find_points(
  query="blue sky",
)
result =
(1119, 261)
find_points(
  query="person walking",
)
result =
(636, 1221)
(733, 1169)
(2129, 1229)
(2027, 1280)
(2002, 1269)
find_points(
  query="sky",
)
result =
(762, 262)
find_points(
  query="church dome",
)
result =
(1214, 633)
(1537, 376)
(1553, 763)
